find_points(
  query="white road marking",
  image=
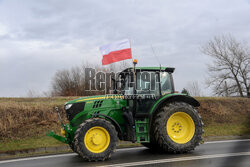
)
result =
(118, 150)
(178, 159)
(35, 158)
(127, 149)
(226, 141)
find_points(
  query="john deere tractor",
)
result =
(153, 115)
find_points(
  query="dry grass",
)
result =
(28, 117)
(225, 110)
(22, 118)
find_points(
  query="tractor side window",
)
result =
(147, 83)
(166, 84)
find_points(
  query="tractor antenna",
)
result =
(155, 55)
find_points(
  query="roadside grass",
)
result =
(226, 130)
(29, 143)
(29, 117)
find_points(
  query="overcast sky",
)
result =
(37, 38)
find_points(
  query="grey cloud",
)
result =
(71, 31)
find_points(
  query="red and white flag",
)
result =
(116, 51)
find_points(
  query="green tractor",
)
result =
(158, 118)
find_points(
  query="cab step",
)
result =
(142, 130)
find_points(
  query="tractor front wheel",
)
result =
(95, 139)
(72, 146)
(177, 127)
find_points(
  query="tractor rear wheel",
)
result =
(153, 146)
(95, 139)
(177, 127)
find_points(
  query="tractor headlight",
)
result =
(67, 106)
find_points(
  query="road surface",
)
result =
(218, 153)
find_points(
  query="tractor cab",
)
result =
(151, 84)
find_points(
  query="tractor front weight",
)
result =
(65, 131)
(57, 137)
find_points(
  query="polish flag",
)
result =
(117, 51)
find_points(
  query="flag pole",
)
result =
(130, 48)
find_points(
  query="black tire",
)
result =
(162, 138)
(83, 151)
(71, 145)
(152, 145)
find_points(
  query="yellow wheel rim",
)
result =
(180, 127)
(97, 139)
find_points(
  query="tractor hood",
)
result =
(82, 108)
(93, 98)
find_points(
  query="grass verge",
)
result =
(29, 143)
(226, 130)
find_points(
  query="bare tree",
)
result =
(229, 71)
(33, 93)
(71, 82)
(67, 82)
(193, 89)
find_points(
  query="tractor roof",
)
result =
(167, 69)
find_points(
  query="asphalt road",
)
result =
(219, 153)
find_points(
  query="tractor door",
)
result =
(147, 90)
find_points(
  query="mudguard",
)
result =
(173, 98)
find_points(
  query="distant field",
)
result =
(24, 121)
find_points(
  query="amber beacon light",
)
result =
(135, 61)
